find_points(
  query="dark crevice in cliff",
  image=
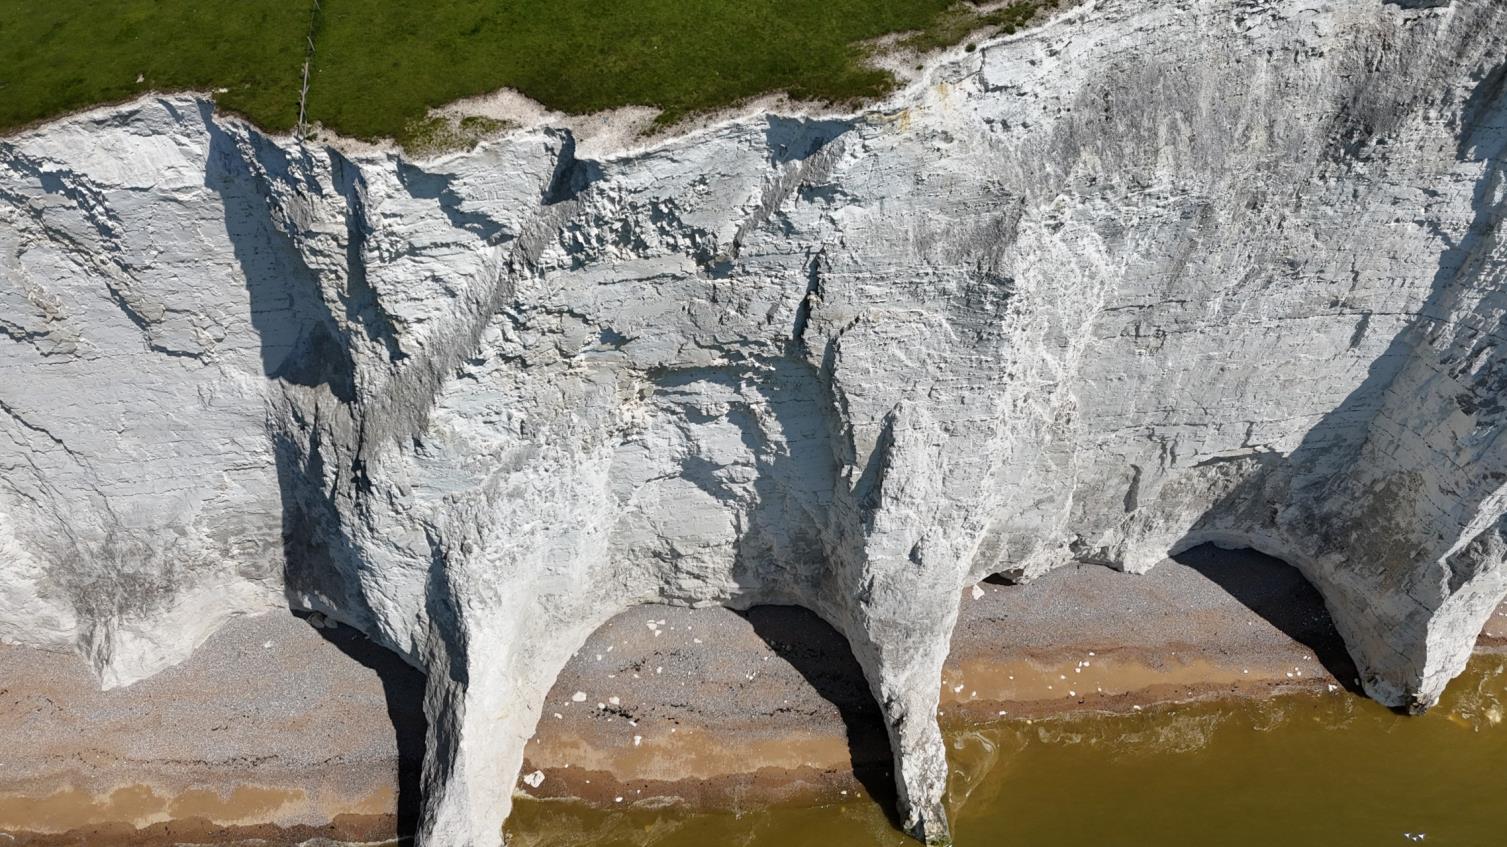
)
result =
(572, 175)
(363, 307)
(868, 491)
(815, 267)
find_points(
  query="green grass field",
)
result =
(379, 65)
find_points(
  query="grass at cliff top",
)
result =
(380, 64)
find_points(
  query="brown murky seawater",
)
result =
(1333, 770)
(140, 803)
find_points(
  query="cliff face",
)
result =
(1150, 276)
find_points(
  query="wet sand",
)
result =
(723, 710)
(270, 730)
(275, 732)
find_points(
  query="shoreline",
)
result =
(281, 733)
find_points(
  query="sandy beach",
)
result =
(281, 732)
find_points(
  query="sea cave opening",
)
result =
(702, 709)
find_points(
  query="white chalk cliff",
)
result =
(1152, 275)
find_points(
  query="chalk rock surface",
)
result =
(1151, 275)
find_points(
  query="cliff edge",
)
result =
(1150, 276)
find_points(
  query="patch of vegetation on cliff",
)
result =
(379, 66)
(444, 134)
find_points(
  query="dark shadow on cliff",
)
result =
(303, 350)
(1303, 502)
(824, 659)
(797, 139)
(311, 373)
(403, 687)
(301, 343)
(1280, 595)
